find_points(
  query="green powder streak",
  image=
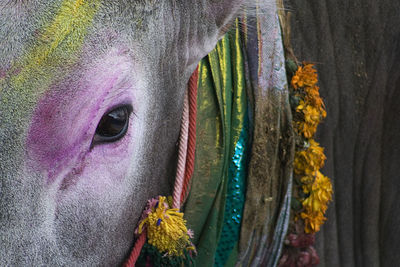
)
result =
(57, 46)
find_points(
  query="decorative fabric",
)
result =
(269, 181)
(222, 108)
(240, 197)
(242, 81)
(236, 189)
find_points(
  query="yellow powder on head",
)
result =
(58, 41)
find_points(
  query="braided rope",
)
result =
(183, 143)
(136, 250)
(192, 134)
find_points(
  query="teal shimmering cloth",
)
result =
(234, 199)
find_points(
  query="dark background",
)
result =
(356, 47)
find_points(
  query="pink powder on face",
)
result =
(66, 117)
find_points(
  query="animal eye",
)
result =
(113, 125)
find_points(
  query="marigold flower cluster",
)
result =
(316, 204)
(311, 105)
(307, 162)
(166, 228)
(305, 76)
(309, 159)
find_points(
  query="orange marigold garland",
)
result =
(312, 191)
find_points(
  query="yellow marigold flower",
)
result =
(313, 221)
(307, 182)
(307, 162)
(318, 199)
(316, 203)
(322, 188)
(312, 117)
(307, 129)
(166, 229)
(295, 79)
(305, 76)
(313, 99)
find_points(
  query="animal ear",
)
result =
(213, 19)
(224, 11)
(207, 21)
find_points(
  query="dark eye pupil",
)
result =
(113, 125)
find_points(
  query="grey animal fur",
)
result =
(41, 225)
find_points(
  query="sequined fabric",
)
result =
(234, 200)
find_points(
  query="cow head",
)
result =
(91, 98)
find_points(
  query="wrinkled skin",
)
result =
(64, 202)
(356, 45)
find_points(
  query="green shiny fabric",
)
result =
(222, 111)
(235, 195)
(255, 66)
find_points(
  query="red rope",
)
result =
(192, 134)
(136, 250)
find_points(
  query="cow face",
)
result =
(91, 97)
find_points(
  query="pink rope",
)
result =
(192, 134)
(183, 143)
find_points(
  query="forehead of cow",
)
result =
(49, 37)
(43, 41)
